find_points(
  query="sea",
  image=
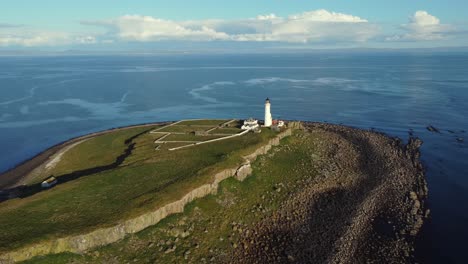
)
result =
(45, 100)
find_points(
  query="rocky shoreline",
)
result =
(367, 206)
(361, 198)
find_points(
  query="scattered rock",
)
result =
(170, 249)
(366, 178)
(433, 129)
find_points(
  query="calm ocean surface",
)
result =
(46, 100)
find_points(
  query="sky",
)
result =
(245, 24)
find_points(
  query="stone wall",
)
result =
(104, 236)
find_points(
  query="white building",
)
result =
(250, 124)
(51, 181)
(268, 117)
(277, 125)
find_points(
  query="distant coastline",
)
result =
(273, 50)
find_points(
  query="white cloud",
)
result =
(266, 17)
(313, 26)
(30, 39)
(86, 39)
(422, 18)
(423, 26)
(322, 25)
(146, 28)
(322, 15)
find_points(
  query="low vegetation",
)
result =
(315, 198)
(94, 152)
(226, 130)
(210, 227)
(146, 179)
(184, 128)
(203, 122)
(189, 137)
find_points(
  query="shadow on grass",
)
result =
(28, 190)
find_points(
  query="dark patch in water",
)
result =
(433, 129)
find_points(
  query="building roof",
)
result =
(50, 179)
(251, 119)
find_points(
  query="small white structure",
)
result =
(277, 125)
(268, 117)
(51, 181)
(250, 124)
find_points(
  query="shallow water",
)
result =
(46, 100)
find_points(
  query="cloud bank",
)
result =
(31, 39)
(313, 26)
(423, 26)
(321, 27)
(12, 36)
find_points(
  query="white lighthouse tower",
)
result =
(268, 118)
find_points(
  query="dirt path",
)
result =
(191, 143)
(346, 196)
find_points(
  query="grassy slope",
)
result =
(206, 230)
(101, 150)
(228, 130)
(184, 129)
(189, 137)
(208, 122)
(148, 179)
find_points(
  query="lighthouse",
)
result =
(268, 118)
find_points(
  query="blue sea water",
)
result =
(46, 100)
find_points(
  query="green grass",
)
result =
(189, 137)
(184, 128)
(236, 123)
(59, 258)
(94, 152)
(208, 221)
(227, 130)
(208, 122)
(146, 180)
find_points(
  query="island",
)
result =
(208, 191)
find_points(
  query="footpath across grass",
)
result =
(146, 180)
(209, 228)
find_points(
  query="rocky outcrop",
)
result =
(360, 200)
(243, 171)
(104, 236)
